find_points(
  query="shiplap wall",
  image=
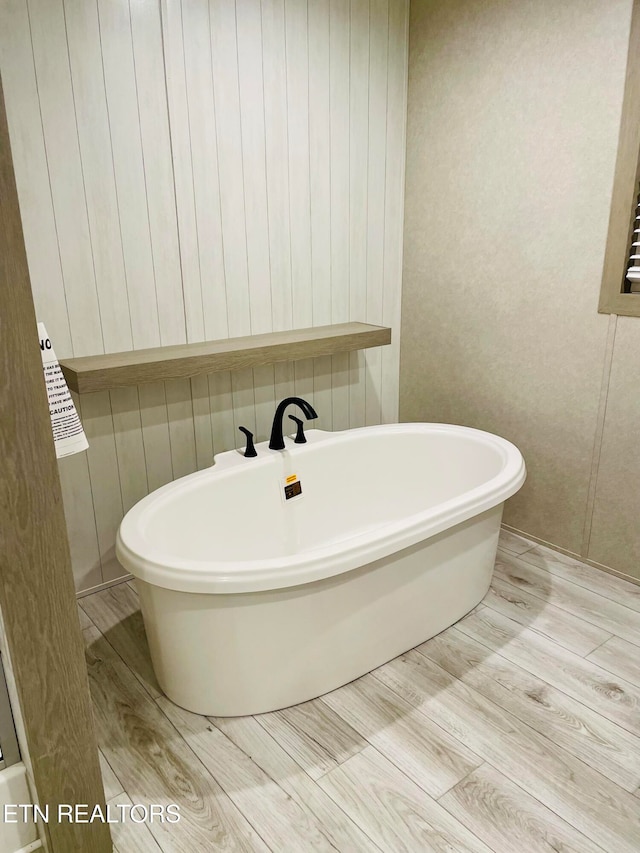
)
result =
(197, 170)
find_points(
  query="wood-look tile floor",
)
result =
(517, 729)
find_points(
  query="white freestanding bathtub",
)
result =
(253, 601)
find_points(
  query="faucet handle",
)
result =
(250, 449)
(300, 437)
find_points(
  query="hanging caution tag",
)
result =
(68, 434)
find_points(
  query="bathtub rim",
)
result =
(200, 576)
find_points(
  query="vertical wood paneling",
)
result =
(297, 60)
(128, 165)
(125, 137)
(95, 412)
(202, 432)
(68, 188)
(189, 90)
(51, 59)
(32, 173)
(203, 157)
(221, 402)
(252, 118)
(358, 185)
(41, 239)
(146, 34)
(265, 399)
(181, 428)
(320, 196)
(297, 69)
(132, 463)
(194, 170)
(226, 88)
(276, 161)
(204, 165)
(277, 169)
(154, 415)
(180, 139)
(96, 163)
(284, 380)
(149, 59)
(244, 409)
(118, 479)
(188, 423)
(81, 519)
(224, 60)
(339, 30)
(251, 94)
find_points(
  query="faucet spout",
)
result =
(276, 442)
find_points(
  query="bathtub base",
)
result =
(249, 653)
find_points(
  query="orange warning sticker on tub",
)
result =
(292, 487)
(292, 490)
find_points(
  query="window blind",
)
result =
(633, 268)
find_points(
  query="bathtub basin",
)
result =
(268, 581)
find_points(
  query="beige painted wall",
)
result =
(197, 170)
(513, 116)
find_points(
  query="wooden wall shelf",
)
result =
(120, 369)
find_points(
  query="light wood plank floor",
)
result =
(516, 729)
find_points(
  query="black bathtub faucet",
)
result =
(299, 439)
(276, 442)
(250, 449)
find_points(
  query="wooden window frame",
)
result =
(41, 632)
(613, 299)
